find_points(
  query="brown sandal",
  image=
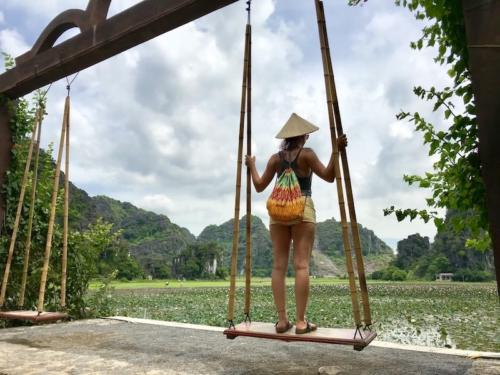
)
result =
(284, 329)
(309, 328)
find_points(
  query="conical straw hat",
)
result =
(296, 126)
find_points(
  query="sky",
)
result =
(157, 125)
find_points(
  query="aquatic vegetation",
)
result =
(457, 315)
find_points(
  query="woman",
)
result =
(301, 232)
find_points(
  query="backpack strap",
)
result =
(282, 157)
(297, 156)
(283, 162)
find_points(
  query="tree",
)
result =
(197, 260)
(113, 253)
(451, 244)
(447, 253)
(81, 258)
(84, 247)
(439, 264)
(410, 249)
(455, 182)
(390, 273)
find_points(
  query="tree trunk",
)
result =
(483, 39)
(5, 148)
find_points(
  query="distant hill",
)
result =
(328, 257)
(262, 255)
(155, 241)
(447, 254)
(329, 236)
(328, 254)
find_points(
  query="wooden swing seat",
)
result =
(33, 316)
(339, 336)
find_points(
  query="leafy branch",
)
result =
(455, 182)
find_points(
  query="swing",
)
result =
(361, 335)
(40, 315)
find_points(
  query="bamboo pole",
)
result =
(248, 255)
(236, 222)
(27, 246)
(18, 213)
(64, 260)
(340, 192)
(50, 231)
(347, 178)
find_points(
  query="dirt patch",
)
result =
(25, 342)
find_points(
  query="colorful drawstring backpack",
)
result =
(286, 202)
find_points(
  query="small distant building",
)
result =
(444, 277)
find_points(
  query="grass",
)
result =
(162, 284)
(256, 281)
(459, 315)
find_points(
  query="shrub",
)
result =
(221, 273)
(390, 273)
(465, 274)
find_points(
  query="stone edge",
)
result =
(381, 344)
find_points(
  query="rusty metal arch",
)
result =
(96, 12)
(100, 38)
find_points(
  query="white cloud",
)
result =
(158, 125)
(156, 202)
(12, 42)
(50, 8)
(399, 130)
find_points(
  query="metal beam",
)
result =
(483, 39)
(99, 39)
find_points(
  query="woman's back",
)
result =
(300, 157)
(298, 161)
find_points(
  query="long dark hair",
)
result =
(292, 143)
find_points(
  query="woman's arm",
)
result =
(326, 173)
(260, 183)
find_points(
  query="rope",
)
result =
(27, 246)
(348, 186)
(44, 94)
(236, 221)
(333, 116)
(64, 256)
(249, 11)
(36, 133)
(248, 255)
(64, 141)
(64, 260)
(69, 83)
(18, 215)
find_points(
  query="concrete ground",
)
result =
(137, 346)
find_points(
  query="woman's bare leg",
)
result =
(303, 239)
(281, 238)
